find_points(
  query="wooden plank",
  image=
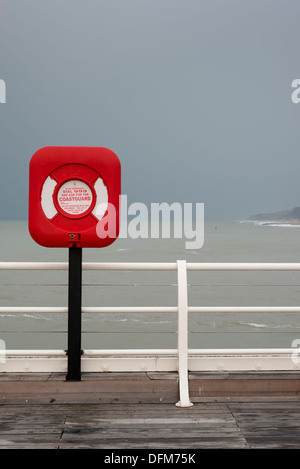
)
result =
(118, 425)
(208, 425)
(250, 384)
(27, 376)
(147, 426)
(266, 405)
(126, 387)
(18, 442)
(180, 443)
(269, 424)
(142, 387)
(48, 412)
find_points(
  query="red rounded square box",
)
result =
(74, 196)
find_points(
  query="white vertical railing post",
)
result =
(183, 336)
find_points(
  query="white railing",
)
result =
(181, 359)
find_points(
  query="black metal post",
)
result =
(74, 314)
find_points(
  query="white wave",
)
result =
(9, 315)
(282, 225)
(271, 223)
(30, 316)
(258, 325)
(254, 222)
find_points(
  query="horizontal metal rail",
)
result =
(152, 309)
(181, 359)
(204, 266)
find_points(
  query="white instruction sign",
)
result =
(75, 197)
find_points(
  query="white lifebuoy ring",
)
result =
(50, 210)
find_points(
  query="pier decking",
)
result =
(137, 410)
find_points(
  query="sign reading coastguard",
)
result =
(74, 195)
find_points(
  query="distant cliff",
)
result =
(286, 216)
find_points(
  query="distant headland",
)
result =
(291, 217)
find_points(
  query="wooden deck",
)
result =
(121, 411)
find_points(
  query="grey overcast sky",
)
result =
(194, 96)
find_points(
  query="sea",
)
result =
(224, 241)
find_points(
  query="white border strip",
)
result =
(222, 360)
